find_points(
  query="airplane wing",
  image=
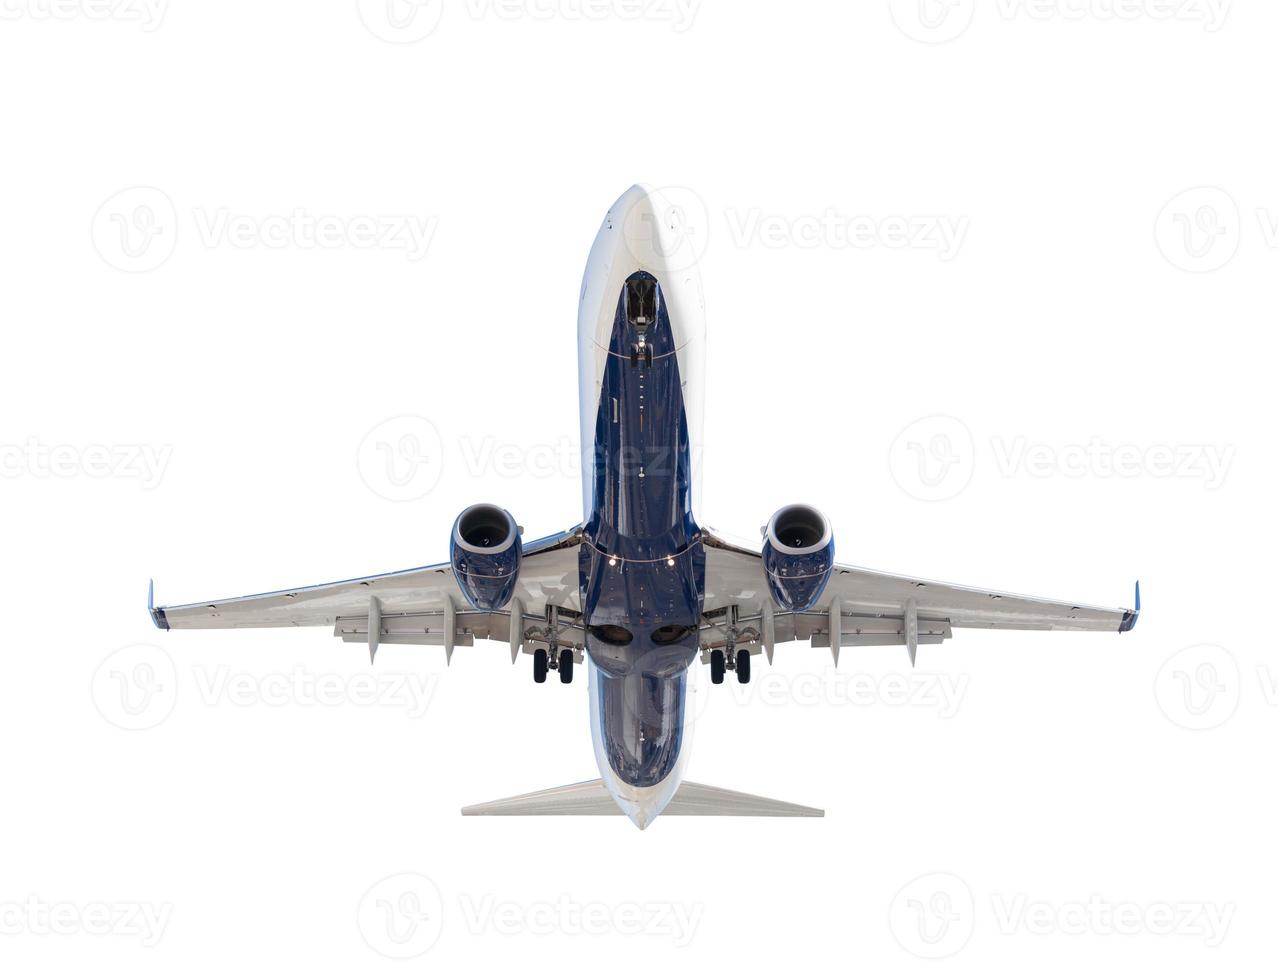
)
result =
(863, 607)
(419, 605)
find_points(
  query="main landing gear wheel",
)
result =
(717, 666)
(743, 666)
(565, 666)
(541, 666)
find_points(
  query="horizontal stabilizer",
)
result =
(592, 799)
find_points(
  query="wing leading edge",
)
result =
(864, 607)
(418, 605)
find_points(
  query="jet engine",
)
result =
(798, 556)
(485, 554)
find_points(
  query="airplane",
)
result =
(640, 591)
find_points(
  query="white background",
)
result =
(1092, 309)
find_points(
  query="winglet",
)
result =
(157, 615)
(1130, 617)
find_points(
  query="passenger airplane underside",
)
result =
(640, 587)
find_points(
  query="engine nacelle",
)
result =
(798, 556)
(485, 555)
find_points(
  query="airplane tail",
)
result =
(592, 799)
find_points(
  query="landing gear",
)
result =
(565, 666)
(717, 666)
(541, 666)
(722, 661)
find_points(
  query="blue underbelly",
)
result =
(642, 566)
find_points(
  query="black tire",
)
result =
(717, 669)
(743, 666)
(565, 666)
(541, 666)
